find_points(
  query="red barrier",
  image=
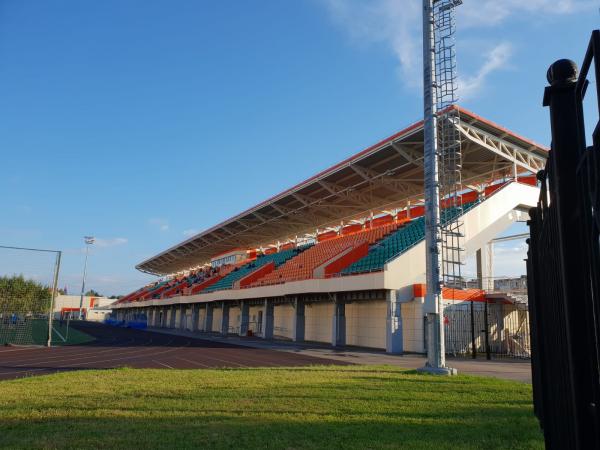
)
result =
(326, 236)
(257, 274)
(352, 256)
(473, 295)
(206, 283)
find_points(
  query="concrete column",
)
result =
(165, 316)
(393, 335)
(268, 319)
(338, 335)
(299, 321)
(208, 318)
(244, 318)
(225, 318)
(195, 316)
(485, 267)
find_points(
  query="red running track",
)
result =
(123, 347)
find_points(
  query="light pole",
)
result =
(434, 308)
(89, 240)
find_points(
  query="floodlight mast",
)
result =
(89, 240)
(436, 361)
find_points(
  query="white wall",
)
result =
(98, 315)
(365, 323)
(235, 319)
(283, 321)
(253, 318)
(217, 316)
(72, 301)
(188, 319)
(413, 326)
(201, 318)
(318, 322)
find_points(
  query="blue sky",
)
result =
(140, 122)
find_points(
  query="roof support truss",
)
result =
(523, 158)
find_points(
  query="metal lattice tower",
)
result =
(449, 143)
(442, 166)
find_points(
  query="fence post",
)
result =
(473, 342)
(53, 297)
(486, 326)
(567, 144)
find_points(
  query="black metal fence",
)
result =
(487, 329)
(563, 266)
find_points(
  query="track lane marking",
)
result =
(75, 352)
(162, 364)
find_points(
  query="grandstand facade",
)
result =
(340, 257)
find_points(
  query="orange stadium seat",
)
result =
(303, 266)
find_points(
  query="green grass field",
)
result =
(319, 407)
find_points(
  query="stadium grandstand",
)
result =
(340, 257)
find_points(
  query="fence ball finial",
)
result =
(562, 71)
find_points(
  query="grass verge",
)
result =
(315, 407)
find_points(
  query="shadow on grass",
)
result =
(214, 430)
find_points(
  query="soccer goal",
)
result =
(28, 288)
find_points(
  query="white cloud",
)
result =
(493, 12)
(160, 223)
(397, 25)
(508, 260)
(191, 232)
(497, 58)
(109, 242)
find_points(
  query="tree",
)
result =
(23, 296)
(92, 293)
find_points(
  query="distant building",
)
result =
(505, 284)
(511, 284)
(94, 308)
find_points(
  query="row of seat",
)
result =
(303, 266)
(229, 280)
(400, 241)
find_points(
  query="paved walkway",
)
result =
(507, 368)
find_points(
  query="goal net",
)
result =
(28, 285)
